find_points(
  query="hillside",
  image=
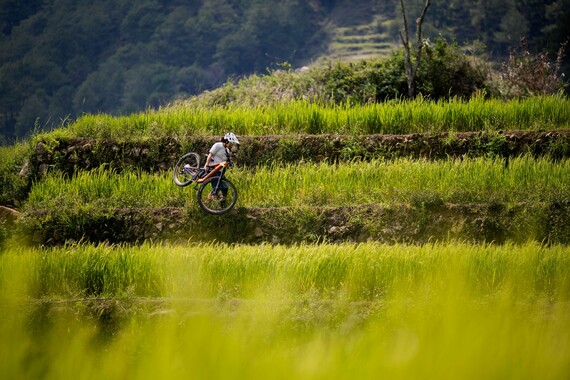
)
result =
(114, 184)
(374, 236)
(61, 59)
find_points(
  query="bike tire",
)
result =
(216, 206)
(186, 169)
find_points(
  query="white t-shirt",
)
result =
(219, 153)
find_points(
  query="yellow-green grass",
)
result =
(394, 117)
(309, 312)
(354, 272)
(469, 180)
(12, 184)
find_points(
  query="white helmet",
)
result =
(231, 138)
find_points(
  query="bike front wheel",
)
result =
(186, 169)
(216, 198)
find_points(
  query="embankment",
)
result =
(69, 155)
(420, 223)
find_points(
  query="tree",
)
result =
(412, 68)
(447, 71)
(513, 27)
(557, 31)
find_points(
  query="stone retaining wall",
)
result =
(161, 154)
(388, 224)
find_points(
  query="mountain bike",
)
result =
(216, 194)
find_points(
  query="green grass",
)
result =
(13, 183)
(442, 310)
(405, 180)
(310, 312)
(364, 272)
(478, 180)
(295, 117)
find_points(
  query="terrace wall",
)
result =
(158, 155)
(417, 223)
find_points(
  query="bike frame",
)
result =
(219, 167)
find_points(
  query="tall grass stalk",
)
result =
(327, 311)
(13, 179)
(523, 179)
(404, 116)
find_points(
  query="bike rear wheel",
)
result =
(186, 169)
(215, 202)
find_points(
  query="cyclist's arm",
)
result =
(208, 159)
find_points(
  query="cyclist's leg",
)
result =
(224, 188)
(216, 184)
(221, 187)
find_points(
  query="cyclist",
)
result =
(220, 152)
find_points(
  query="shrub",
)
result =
(363, 82)
(525, 75)
(446, 71)
(14, 175)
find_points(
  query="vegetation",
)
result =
(334, 311)
(401, 116)
(120, 57)
(14, 181)
(525, 74)
(3, 234)
(367, 272)
(310, 304)
(459, 181)
(63, 59)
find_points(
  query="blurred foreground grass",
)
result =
(309, 311)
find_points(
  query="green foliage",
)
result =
(91, 271)
(395, 117)
(461, 181)
(445, 72)
(276, 86)
(118, 57)
(360, 83)
(366, 272)
(15, 174)
(307, 311)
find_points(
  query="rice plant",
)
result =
(14, 174)
(395, 117)
(326, 311)
(469, 180)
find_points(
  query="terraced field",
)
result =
(361, 42)
(408, 240)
